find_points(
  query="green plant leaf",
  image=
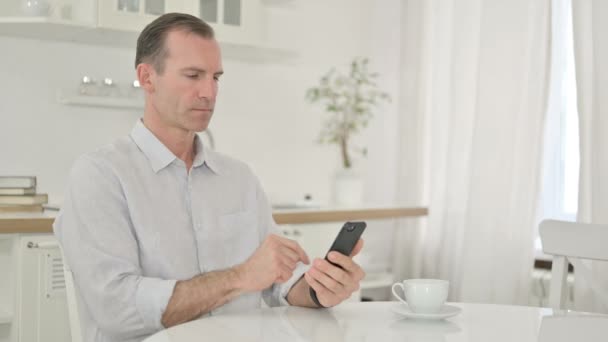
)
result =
(350, 100)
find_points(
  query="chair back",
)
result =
(570, 241)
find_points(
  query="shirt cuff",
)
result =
(151, 299)
(286, 287)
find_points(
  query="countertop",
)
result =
(17, 223)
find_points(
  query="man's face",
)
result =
(184, 93)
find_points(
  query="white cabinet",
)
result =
(134, 15)
(240, 25)
(234, 21)
(32, 289)
(43, 314)
(8, 274)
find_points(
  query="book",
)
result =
(17, 181)
(24, 199)
(18, 191)
(35, 208)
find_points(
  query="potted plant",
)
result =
(350, 100)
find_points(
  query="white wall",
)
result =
(261, 116)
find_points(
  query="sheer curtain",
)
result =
(474, 93)
(591, 53)
(561, 159)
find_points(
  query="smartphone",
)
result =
(347, 239)
(344, 243)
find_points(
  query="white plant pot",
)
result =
(347, 188)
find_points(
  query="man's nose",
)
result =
(207, 89)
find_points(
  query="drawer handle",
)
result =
(43, 245)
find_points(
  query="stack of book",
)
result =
(18, 194)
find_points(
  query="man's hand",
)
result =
(273, 262)
(334, 284)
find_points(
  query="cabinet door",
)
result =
(8, 279)
(234, 21)
(134, 15)
(43, 309)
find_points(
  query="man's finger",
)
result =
(332, 271)
(358, 247)
(294, 246)
(321, 290)
(303, 256)
(290, 264)
(345, 262)
(290, 254)
(329, 283)
(286, 274)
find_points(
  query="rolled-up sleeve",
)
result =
(153, 295)
(99, 243)
(276, 295)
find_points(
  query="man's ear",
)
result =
(146, 76)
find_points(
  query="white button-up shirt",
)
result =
(135, 221)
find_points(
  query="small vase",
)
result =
(347, 188)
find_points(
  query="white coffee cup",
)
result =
(423, 295)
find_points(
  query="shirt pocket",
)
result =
(239, 234)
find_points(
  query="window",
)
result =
(559, 197)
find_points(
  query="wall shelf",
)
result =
(43, 28)
(100, 101)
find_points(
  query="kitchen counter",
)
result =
(17, 223)
(342, 214)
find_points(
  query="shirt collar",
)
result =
(205, 156)
(160, 156)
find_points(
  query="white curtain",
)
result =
(591, 53)
(474, 94)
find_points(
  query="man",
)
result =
(159, 230)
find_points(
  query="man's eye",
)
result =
(216, 78)
(192, 76)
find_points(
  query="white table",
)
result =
(376, 322)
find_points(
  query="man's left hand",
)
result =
(335, 284)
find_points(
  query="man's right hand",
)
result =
(273, 262)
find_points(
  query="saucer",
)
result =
(445, 312)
